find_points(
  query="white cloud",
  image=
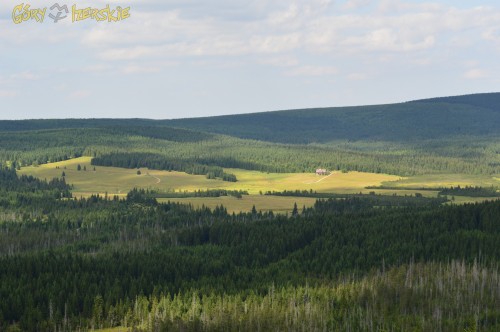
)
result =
(25, 75)
(357, 76)
(79, 94)
(290, 15)
(216, 46)
(343, 42)
(8, 93)
(288, 27)
(137, 69)
(475, 74)
(388, 40)
(492, 35)
(97, 68)
(356, 4)
(312, 71)
(14, 79)
(397, 6)
(280, 61)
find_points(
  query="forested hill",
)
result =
(470, 115)
(486, 100)
(477, 115)
(41, 124)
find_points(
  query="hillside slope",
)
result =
(476, 115)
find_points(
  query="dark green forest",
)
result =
(372, 199)
(407, 122)
(124, 147)
(471, 191)
(438, 118)
(74, 264)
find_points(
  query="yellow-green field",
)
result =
(118, 181)
(444, 180)
(245, 204)
(463, 200)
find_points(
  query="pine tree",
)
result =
(98, 311)
(295, 211)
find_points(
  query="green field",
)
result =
(444, 180)
(245, 204)
(118, 181)
(114, 180)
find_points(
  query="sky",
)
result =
(192, 58)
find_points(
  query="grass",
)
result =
(118, 181)
(114, 180)
(263, 203)
(465, 199)
(444, 180)
(337, 182)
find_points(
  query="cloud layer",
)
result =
(349, 44)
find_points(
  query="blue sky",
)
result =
(189, 58)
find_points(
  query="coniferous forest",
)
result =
(444, 135)
(77, 264)
(349, 262)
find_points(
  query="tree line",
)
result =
(159, 162)
(468, 155)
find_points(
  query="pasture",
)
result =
(262, 203)
(118, 181)
(444, 180)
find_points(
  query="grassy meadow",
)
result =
(444, 180)
(118, 181)
(245, 204)
(115, 181)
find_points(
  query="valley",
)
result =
(218, 223)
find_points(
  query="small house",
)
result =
(321, 171)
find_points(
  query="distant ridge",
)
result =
(444, 117)
(485, 100)
(476, 115)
